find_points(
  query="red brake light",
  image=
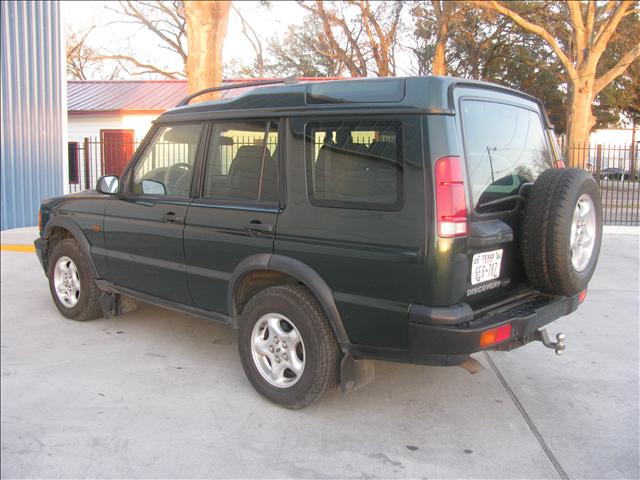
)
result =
(495, 335)
(451, 201)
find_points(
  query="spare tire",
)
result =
(561, 231)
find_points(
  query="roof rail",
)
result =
(188, 98)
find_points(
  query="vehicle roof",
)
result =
(428, 94)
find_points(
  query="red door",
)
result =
(117, 149)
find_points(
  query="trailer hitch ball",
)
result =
(559, 345)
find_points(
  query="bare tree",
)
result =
(83, 60)
(166, 20)
(207, 27)
(359, 40)
(591, 26)
(256, 44)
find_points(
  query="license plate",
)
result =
(485, 266)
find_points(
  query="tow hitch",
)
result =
(542, 336)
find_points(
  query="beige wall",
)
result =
(81, 126)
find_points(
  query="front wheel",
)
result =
(287, 347)
(71, 283)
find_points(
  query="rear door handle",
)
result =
(171, 217)
(256, 226)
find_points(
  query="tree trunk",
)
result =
(580, 118)
(206, 28)
(439, 65)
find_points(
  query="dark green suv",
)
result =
(404, 219)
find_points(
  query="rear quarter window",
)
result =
(505, 147)
(355, 164)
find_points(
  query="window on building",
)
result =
(355, 164)
(74, 163)
(166, 166)
(242, 163)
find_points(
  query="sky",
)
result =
(266, 22)
(116, 35)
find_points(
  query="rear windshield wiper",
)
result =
(511, 198)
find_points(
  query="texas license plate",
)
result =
(485, 266)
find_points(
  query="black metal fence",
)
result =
(91, 158)
(614, 167)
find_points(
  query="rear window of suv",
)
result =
(505, 147)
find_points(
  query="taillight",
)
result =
(451, 201)
(495, 335)
(581, 296)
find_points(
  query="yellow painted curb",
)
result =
(18, 248)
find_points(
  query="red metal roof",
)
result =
(91, 97)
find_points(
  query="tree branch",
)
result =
(617, 70)
(533, 28)
(605, 33)
(151, 68)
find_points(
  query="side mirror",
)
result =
(109, 184)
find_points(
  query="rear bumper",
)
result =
(448, 338)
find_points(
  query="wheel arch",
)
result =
(62, 227)
(260, 271)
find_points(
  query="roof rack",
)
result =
(257, 83)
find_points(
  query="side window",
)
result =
(505, 146)
(166, 167)
(355, 164)
(242, 162)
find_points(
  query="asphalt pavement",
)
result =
(155, 394)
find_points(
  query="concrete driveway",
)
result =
(157, 394)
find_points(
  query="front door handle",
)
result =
(171, 217)
(256, 226)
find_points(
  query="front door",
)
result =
(235, 215)
(144, 225)
(117, 150)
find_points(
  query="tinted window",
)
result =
(166, 167)
(505, 147)
(242, 162)
(355, 164)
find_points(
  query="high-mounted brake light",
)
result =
(451, 201)
(495, 335)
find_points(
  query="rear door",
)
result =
(235, 214)
(356, 215)
(504, 147)
(144, 225)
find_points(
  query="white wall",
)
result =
(81, 126)
(613, 136)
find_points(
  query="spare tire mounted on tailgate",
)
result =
(562, 231)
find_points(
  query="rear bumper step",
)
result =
(525, 315)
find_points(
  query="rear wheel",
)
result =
(71, 283)
(287, 348)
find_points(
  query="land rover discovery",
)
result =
(412, 219)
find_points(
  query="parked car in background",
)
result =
(404, 219)
(612, 173)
